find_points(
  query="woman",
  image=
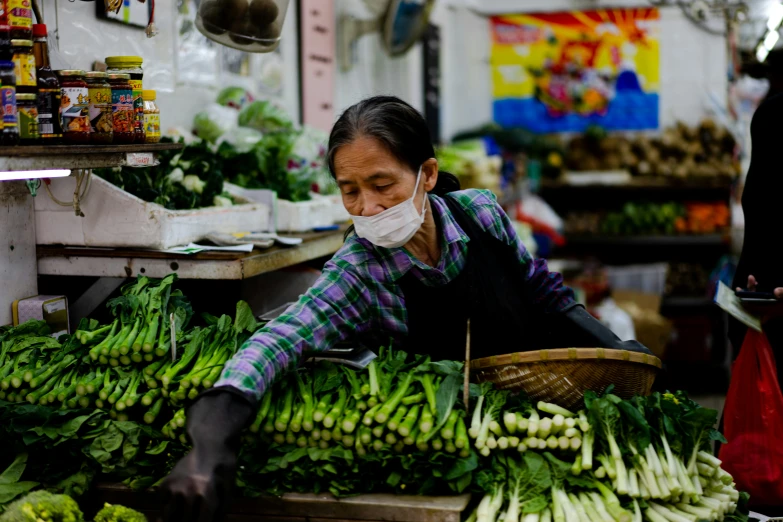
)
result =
(423, 260)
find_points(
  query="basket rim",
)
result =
(566, 354)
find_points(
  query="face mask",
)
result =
(394, 226)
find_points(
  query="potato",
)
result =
(263, 12)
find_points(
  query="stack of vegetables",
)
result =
(40, 506)
(399, 425)
(616, 460)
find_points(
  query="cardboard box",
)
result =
(652, 329)
(50, 308)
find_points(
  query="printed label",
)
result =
(24, 70)
(152, 124)
(139, 159)
(48, 113)
(122, 110)
(28, 123)
(8, 97)
(101, 118)
(74, 109)
(138, 105)
(20, 13)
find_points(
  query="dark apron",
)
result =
(491, 290)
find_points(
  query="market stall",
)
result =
(161, 200)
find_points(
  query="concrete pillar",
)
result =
(18, 264)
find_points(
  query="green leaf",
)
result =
(535, 504)
(158, 448)
(111, 439)
(446, 397)
(14, 472)
(462, 466)
(8, 492)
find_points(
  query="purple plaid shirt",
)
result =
(358, 293)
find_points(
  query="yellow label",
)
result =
(20, 13)
(152, 124)
(24, 69)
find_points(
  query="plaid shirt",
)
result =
(358, 293)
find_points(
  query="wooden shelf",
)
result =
(302, 507)
(109, 262)
(650, 241)
(45, 157)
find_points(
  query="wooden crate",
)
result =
(297, 507)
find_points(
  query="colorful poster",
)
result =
(561, 72)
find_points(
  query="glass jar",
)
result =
(27, 107)
(122, 108)
(6, 51)
(48, 89)
(10, 134)
(20, 18)
(247, 25)
(101, 116)
(131, 65)
(151, 117)
(24, 66)
(74, 107)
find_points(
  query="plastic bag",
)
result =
(753, 423)
(265, 116)
(211, 123)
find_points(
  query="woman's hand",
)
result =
(765, 310)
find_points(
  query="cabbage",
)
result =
(265, 116)
(235, 97)
(212, 123)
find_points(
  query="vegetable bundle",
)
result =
(645, 458)
(40, 506)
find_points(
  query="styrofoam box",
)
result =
(115, 218)
(650, 279)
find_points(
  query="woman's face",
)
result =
(372, 180)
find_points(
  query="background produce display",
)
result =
(469, 161)
(707, 150)
(252, 144)
(651, 219)
(109, 401)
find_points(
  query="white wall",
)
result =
(78, 38)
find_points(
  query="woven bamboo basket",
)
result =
(562, 375)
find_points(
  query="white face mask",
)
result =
(394, 226)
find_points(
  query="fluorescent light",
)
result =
(761, 53)
(771, 39)
(775, 17)
(32, 174)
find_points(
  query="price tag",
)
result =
(140, 159)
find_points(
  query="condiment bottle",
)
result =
(74, 107)
(151, 116)
(27, 105)
(101, 118)
(20, 18)
(24, 66)
(131, 65)
(6, 51)
(122, 108)
(10, 134)
(49, 93)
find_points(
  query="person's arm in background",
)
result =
(337, 305)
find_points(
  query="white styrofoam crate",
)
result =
(650, 279)
(115, 218)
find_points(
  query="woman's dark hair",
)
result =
(401, 129)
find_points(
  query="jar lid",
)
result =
(39, 30)
(124, 61)
(119, 76)
(96, 74)
(149, 94)
(27, 97)
(70, 72)
(22, 43)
